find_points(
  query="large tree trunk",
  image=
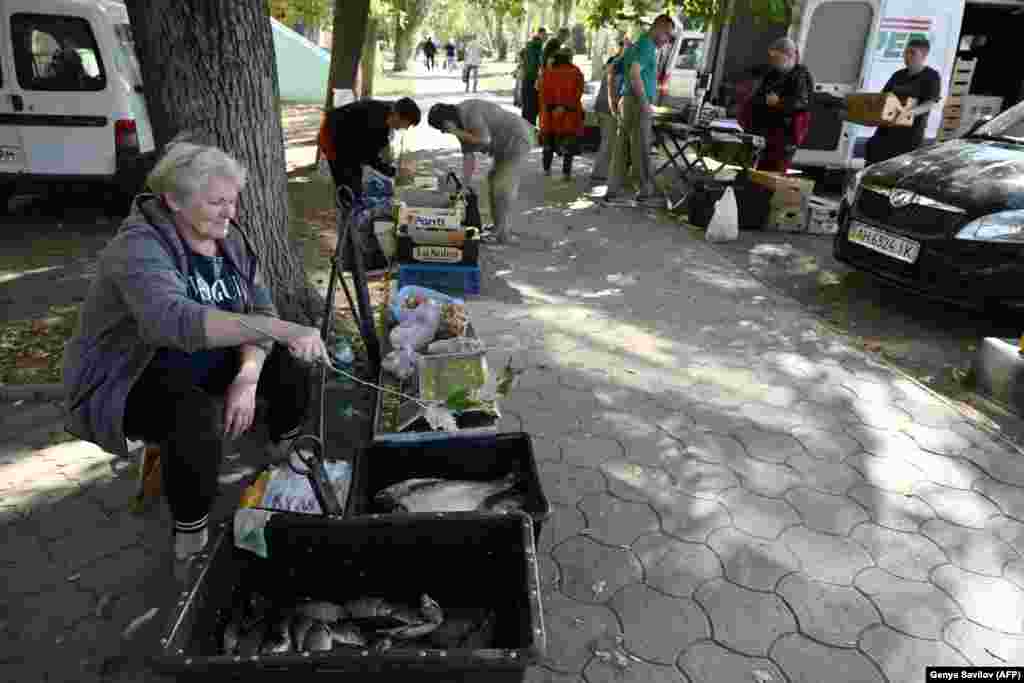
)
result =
(405, 35)
(350, 19)
(209, 68)
(369, 61)
(499, 33)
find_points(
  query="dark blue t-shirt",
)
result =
(212, 281)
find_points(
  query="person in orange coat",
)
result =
(561, 115)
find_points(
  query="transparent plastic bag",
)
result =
(401, 363)
(418, 327)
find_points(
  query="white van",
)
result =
(72, 110)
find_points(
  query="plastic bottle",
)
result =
(342, 355)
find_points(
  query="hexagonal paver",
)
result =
(1010, 499)
(675, 567)
(551, 424)
(571, 628)
(44, 617)
(636, 483)
(538, 674)
(709, 662)
(827, 558)
(907, 555)
(815, 414)
(806, 661)
(1002, 464)
(895, 511)
(520, 399)
(565, 522)
(827, 445)
(928, 412)
(890, 474)
(567, 483)
(965, 508)
(917, 608)
(1010, 531)
(550, 573)
(592, 572)
(766, 479)
(592, 451)
(955, 473)
(759, 515)
(881, 415)
(104, 538)
(971, 549)
(826, 476)
(709, 419)
(751, 562)
(826, 512)
(714, 448)
(835, 615)
(656, 450)
(983, 646)
(904, 658)
(617, 522)
(995, 603)
(768, 445)
(702, 479)
(618, 668)
(941, 441)
(746, 621)
(657, 626)
(544, 450)
(691, 519)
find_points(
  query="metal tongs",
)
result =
(309, 449)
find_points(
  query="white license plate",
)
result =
(884, 243)
(434, 254)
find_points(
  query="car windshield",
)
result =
(1007, 126)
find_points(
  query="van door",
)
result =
(834, 38)
(64, 80)
(12, 151)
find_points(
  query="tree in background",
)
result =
(209, 68)
(496, 12)
(310, 13)
(603, 13)
(409, 16)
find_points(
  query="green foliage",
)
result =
(310, 12)
(616, 13)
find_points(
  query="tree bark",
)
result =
(499, 33)
(415, 13)
(369, 61)
(209, 69)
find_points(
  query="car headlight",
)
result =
(1005, 226)
(853, 188)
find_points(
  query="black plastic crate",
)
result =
(476, 458)
(400, 556)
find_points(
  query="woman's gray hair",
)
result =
(186, 168)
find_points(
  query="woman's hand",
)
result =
(772, 100)
(239, 407)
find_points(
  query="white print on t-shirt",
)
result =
(220, 291)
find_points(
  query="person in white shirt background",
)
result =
(474, 57)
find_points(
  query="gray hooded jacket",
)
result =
(138, 303)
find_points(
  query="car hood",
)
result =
(979, 176)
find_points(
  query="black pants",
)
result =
(567, 148)
(188, 420)
(531, 101)
(888, 143)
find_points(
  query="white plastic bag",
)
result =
(725, 223)
(418, 328)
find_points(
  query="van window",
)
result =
(56, 53)
(127, 54)
(690, 53)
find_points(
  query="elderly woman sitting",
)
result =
(169, 346)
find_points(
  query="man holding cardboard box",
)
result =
(919, 88)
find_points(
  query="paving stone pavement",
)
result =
(737, 494)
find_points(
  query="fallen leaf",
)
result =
(761, 676)
(138, 621)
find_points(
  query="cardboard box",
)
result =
(790, 190)
(822, 216)
(876, 109)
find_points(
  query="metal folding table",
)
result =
(679, 141)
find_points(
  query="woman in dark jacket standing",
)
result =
(779, 109)
(173, 340)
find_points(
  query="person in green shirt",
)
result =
(639, 92)
(531, 69)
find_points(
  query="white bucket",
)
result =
(343, 96)
(386, 238)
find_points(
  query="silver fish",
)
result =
(279, 637)
(300, 627)
(319, 638)
(396, 492)
(232, 637)
(446, 495)
(320, 610)
(513, 503)
(348, 634)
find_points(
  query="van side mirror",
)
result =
(982, 120)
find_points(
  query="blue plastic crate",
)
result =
(449, 279)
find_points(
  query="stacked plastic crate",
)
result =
(435, 248)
